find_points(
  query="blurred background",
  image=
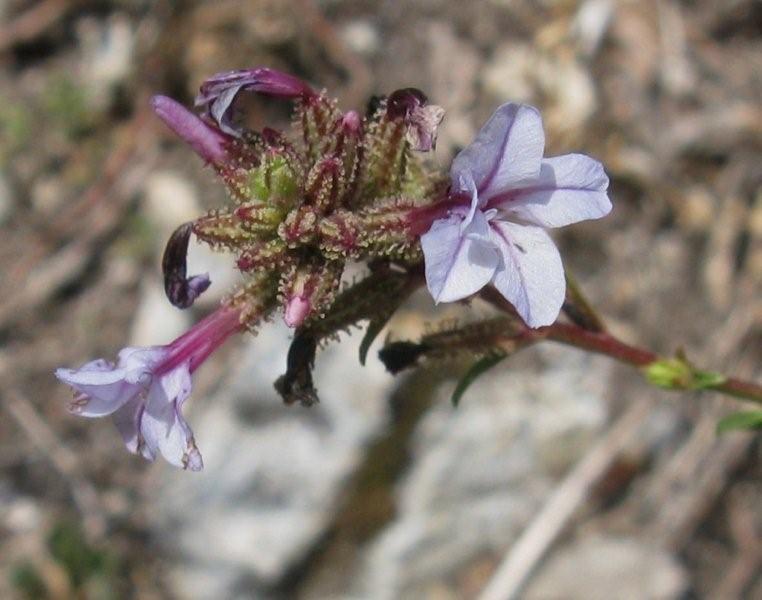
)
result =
(383, 490)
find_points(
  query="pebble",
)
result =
(613, 568)
(361, 37)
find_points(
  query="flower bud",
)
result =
(276, 180)
(207, 141)
(308, 289)
(325, 184)
(385, 231)
(233, 229)
(270, 255)
(340, 235)
(399, 356)
(300, 226)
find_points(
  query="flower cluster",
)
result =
(342, 187)
(339, 188)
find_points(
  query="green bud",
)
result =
(274, 182)
(679, 374)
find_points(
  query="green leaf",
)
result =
(707, 379)
(374, 328)
(480, 366)
(741, 420)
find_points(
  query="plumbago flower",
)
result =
(340, 187)
(503, 196)
(146, 388)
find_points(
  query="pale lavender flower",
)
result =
(504, 195)
(146, 389)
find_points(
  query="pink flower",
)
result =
(503, 197)
(146, 389)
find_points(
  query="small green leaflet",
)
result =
(374, 328)
(704, 380)
(679, 374)
(741, 420)
(480, 366)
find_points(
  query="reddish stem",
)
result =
(602, 342)
(598, 342)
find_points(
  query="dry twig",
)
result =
(34, 22)
(552, 519)
(63, 460)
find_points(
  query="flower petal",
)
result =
(162, 426)
(506, 152)
(458, 263)
(422, 119)
(101, 388)
(127, 421)
(531, 276)
(207, 141)
(570, 188)
(219, 91)
(468, 187)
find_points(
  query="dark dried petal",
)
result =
(402, 102)
(218, 93)
(182, 291)
(295, 385)
(422, 119)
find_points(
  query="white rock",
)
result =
(612, 568)
(452, 67)
(480, 472)
(21, 515)
(361, 37)
(591, 24)
(156, 321)
(107, 50)
(521, 73)
(170, 200)
(272, 473)
(509, 74)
